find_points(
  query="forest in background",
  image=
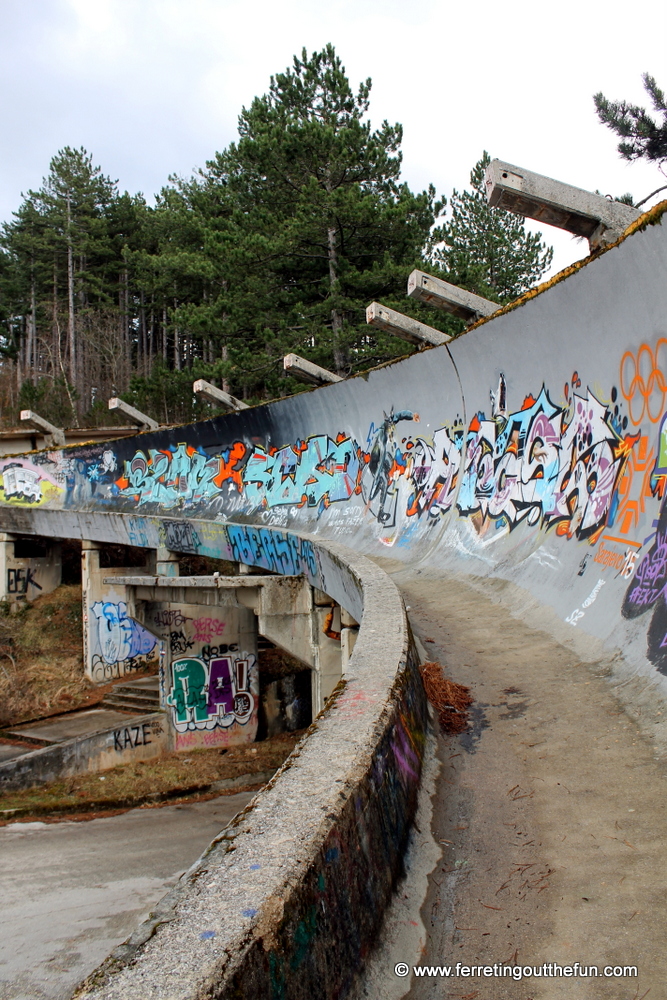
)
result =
(278, 244)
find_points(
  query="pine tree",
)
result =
(642, 136)
(323, 222)
(487, 250)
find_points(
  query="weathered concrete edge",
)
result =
(289, 898)
(88, 753)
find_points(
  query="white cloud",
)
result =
(153, 87)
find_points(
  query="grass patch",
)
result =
(173, 775)
(41, 657)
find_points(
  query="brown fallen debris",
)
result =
(450, 700)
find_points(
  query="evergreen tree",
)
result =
(487, 250)
(642, 136)
(315, 223)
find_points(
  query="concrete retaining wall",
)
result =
(529, 455)
(143, 738)
(288, 900)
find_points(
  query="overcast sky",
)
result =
(154, 87)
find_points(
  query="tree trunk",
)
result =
(177, 346)
(70, 297)
(32, 332)
(225, 356)
(336, 315)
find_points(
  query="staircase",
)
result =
(141, 695)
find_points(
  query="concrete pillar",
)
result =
(29, 567)
(209, 683)
(166, 562)
(114, 643)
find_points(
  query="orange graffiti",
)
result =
(643, 382)
(227, 470)
(634, 487)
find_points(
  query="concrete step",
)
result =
(141, 694)
(132, 702)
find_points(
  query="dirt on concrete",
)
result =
(173, 777)
(549, 810)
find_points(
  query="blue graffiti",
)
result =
(313, 473)
(119, 637)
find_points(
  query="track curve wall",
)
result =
(530, 455)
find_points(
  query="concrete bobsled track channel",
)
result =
(72, 891)
(513, 484)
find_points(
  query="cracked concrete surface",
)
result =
(72, 891)
(549, 811)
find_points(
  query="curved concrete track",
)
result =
(73, 891)
(520, 472)
(550, 813)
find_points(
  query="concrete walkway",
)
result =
(58, 728)
(71, 892)
(550, 814)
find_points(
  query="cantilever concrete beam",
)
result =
(52, 435)
(404, 326)
(136, 416)
(451, 298)
(214, 395)
(580, 212)
(306, 371)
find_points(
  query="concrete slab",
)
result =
(143, 683)
(73, 891)
(10, 752)
(66, 727)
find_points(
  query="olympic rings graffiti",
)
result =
(643, 383)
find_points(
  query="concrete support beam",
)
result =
(53, 436)
(534, 196)
(306, 371)
(214, 395)
(166, 563)
(143, 421)
(404, 326)
(441, 294)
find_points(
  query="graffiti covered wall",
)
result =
(209, 677)
(532, 449)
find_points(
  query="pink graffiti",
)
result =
(206, 628)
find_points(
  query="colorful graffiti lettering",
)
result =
(273, 550)
(180, 476)
(314, 473)
(544, 465)
(648, 589)
(118, 637)
(212, 695)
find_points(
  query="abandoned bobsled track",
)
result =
(528, 458)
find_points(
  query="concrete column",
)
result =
(114, 643)
(166, 562)
(29, 567)
(210, 679)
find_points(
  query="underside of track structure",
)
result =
(529, 454)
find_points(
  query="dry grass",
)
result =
(450, 700)
(174, 774)
(41, 657)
